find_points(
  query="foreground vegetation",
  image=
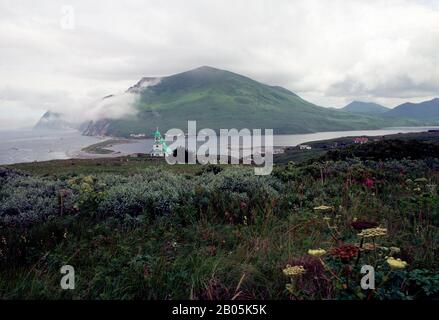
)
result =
(144, 230)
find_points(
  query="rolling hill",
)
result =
(365, 108)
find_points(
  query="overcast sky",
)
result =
(328, 52)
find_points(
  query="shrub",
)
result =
(28, 200)
(150, 193)
(237, 195)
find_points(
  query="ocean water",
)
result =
(292, 140)
(39, 145)
(287, 140)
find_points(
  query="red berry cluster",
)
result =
(345, 252)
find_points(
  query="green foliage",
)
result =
(387, 149)
(29, 200)
(217, 232)
(426, 280)
(152, 193)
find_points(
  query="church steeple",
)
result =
(160, 148)
(157, 134)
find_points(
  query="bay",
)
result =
(41, 145)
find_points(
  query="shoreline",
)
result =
(104, 147)
(113, 141)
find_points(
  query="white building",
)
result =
(137, 135)
(160, 148)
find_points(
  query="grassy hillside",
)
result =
(220, 99)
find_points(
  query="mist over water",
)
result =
(40, 145)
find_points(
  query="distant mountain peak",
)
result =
(205, 71)
(148, 81)
(426, 111)
(363, 102)
(365, 107)
(206, 68)
(143, 83)
(53, 120)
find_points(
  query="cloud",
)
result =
(329, 52)
(113, 107)
(30, 105)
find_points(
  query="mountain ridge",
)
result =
(220, 99)
(425, 111)
(365, 107)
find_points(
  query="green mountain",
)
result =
(365, 107)
(221, 99)
(427, 111)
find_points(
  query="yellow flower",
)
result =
(317, 252)
(373, 232)
(293, 271)
(324, 208)
(88, 179)
(85, 187)
(72, 181)
(396, 263)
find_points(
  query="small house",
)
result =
(361, 140)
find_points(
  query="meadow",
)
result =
(137, 228)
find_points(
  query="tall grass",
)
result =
(218, 234)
